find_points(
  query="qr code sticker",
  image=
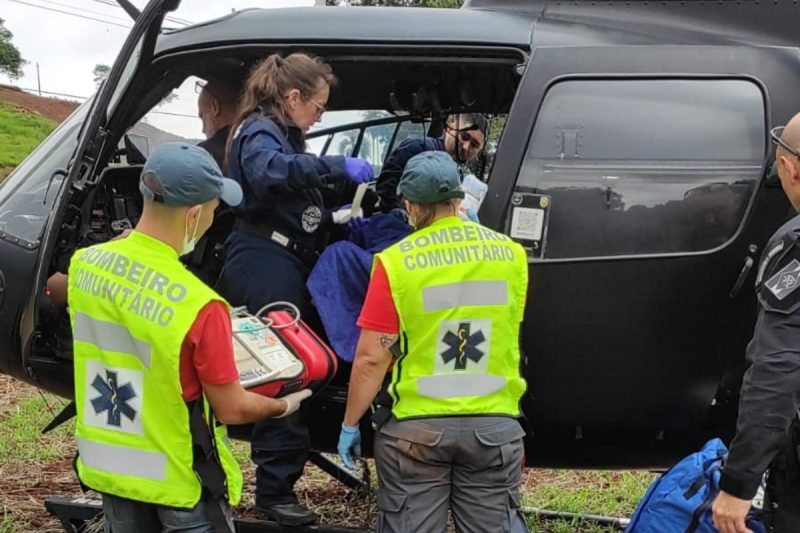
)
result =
(527, 223)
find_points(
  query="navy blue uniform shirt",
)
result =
(386, 186)
(770, 394)
(282, 184)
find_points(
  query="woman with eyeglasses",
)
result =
(282, 225)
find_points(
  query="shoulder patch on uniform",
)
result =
(780, 272)
(775, 250)
(785, 281)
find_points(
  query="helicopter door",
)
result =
(80, 175)
(638, 195)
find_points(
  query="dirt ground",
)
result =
(51, 108)
(26, 483)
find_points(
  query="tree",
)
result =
(11, 61)
(100, 73)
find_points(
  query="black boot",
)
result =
(288, 514)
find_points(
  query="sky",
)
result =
(67, 48)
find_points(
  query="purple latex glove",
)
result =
(356, 223)
(358, 170)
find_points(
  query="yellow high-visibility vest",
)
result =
(131, 303)
(460, 290)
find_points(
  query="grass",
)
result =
(7, 524)
(23, 441)
(606, 493)
(33, 467)
(20, 133)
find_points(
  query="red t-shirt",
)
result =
(379, 312)
(207, 351)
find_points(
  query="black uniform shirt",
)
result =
(386, 186)
(770, 394)
(215, 145)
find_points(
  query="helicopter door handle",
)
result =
(748, 265)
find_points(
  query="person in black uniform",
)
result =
(463, 139)
(282, 225)
(767, 428)
(216, 107)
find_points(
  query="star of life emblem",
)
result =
(113, 398)
(785, 281)
(463, 346)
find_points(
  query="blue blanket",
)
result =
(338, 283)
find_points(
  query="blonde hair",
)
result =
(426, 214)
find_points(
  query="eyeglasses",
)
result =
(199, 85)
(776, 134)
(320, 108)
(465, 137)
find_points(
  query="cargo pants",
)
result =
(782, 494)
(470, 465)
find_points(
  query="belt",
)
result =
(307, 255)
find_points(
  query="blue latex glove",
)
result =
(358, 170)
(349, 445)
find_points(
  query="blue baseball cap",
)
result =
(182, 174)
(430, 177)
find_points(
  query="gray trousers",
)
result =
(470, 465)
(122, 515)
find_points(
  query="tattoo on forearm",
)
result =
(386, 340)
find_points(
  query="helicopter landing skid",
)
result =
(75, 515)
(340, 474)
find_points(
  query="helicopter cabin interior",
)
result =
(383, 99)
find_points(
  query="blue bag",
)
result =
(680, 500)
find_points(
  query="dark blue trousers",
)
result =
(257, 272)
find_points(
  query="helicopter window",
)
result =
(174, 118)
(645, 166)
(375, 144)
(28, 193)
(125, 77)
(343, 143)
(377, 141)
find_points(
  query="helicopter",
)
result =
(632, 164)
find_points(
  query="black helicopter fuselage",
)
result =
(633, 164)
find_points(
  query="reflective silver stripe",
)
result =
(459, 385)
(122, 460)
(465, 293)
(110, 337)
